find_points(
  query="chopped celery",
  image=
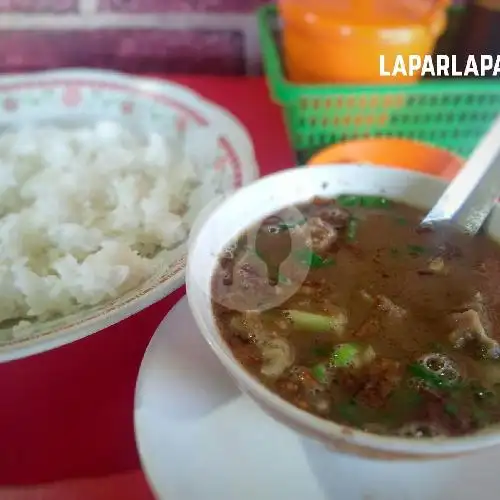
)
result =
(343, 355)
(351, 354)
(316, 322)
(319, 372)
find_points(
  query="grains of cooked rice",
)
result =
(83, 211)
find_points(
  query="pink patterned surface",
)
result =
(45, 6)
(141, 50)
(180, 5)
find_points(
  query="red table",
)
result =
(68, 413)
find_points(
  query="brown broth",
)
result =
(401, 293)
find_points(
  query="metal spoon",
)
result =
(470, 197)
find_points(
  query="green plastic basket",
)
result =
(452, 113)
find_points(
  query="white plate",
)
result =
(215, 139)
(199, 438)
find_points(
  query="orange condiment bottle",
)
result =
(341, 41)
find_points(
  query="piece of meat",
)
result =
(448, 251)
(254, 326)
(476, 303)
(433, 410)
(319, 235)
(348, 380)
(481, 267)
(370, 327)
(388, 306)
(371, 385)
(468, 327)
(246, 353)
(277, 355)
(239, 328)
(435, 266)
(366, 296)
(381, 377)
(336, 216)
(304, 390)
(248, 279)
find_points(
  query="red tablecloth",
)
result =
(68, 413)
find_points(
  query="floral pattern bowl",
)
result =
(86, 96)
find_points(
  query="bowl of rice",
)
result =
(101, 177)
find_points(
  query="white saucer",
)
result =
(199, 438)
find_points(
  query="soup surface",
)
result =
(390, 328)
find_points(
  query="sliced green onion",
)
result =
(352, 354)
(309, 258)
(401, 221)
(319, 372)
(352, 229)
(394, 252)
(349, 200)
(343, 355)
(416, 249)
(316, 322)
(375, 202)
(431, 378)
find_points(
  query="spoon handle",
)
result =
(469, 198)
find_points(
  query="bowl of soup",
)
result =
(332, 309)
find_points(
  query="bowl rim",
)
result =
(430, 447)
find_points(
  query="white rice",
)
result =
(83, 212)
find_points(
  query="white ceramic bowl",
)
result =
(267, 195)
(143, 104)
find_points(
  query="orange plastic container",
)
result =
(341, 41)
(399, 153)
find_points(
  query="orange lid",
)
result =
(391, 151)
